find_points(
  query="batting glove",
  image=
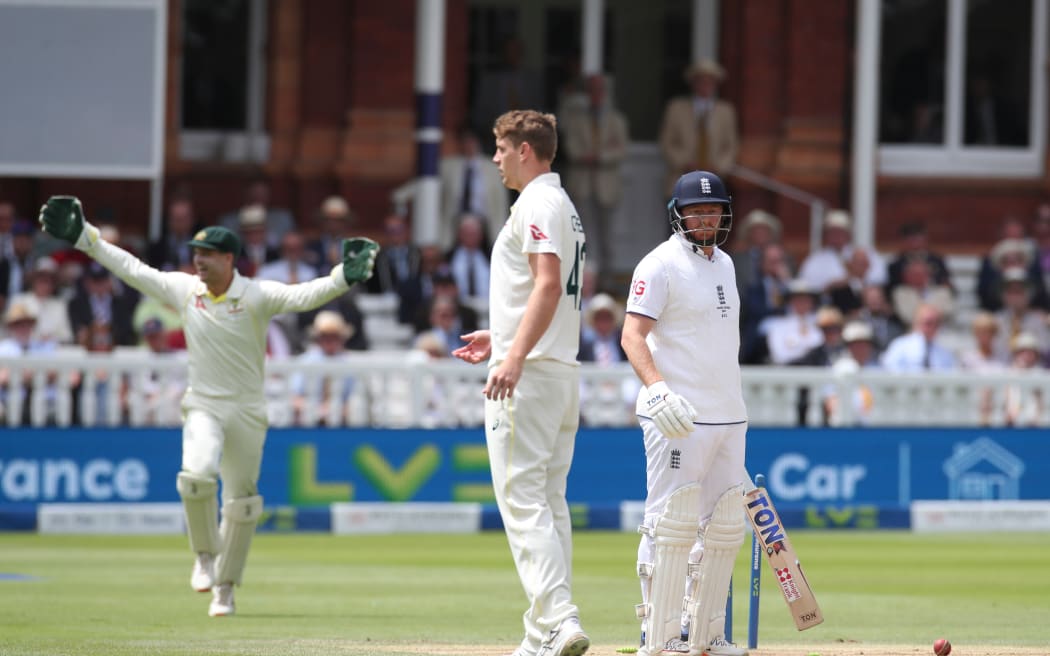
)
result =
(359, 259)
(672, 414)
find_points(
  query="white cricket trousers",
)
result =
(530, 439)
(712, 455)
(224, 439)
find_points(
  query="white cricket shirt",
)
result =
(225, 336)
(696, 338)
(543, 220)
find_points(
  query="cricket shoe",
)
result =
(221, 600)
(719, 646)
(566, 640)
(203, 577)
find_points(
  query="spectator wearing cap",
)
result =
(1025, 406)
(172, 251)
(276, 220)
(19, 324)
(825, 267)
(96, 304)
(335, 219)
(256, 250)
(915, 245)
(764, 297)
(1017, 314)
(699, 131)
(1010, 253)
(918, 287)
(52, 314)
(468, 260)
(920, 350)
(600, 337)
(324, 400)
(791, 336)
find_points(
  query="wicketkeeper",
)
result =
(225, 318)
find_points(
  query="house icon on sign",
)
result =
(983, 470)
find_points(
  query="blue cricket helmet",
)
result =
(696, 188)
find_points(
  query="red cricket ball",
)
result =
(942, 647)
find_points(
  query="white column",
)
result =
(866, 121)
(705, 30)
(593, 26)
(430, 77)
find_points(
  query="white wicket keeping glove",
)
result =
(672, 414)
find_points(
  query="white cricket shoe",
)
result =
(566, 640)
(203, 577)
(221, 600)
(675, 646)
(719, 646)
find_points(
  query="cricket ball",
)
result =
(942, 647)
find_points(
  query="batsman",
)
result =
(682, 336)
(225, 318)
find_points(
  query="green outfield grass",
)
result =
(323, 594)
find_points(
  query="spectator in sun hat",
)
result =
(1010, 253)
(42, 297)
(825, 267)
(699, 130)
(335, 219)
(600, 338)
(792, 335)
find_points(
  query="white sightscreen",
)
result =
(82, 88)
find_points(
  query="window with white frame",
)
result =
(962, 90)
(222, 96)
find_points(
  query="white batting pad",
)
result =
(201, 505)
(239, 517)
(673, 534)
(709, 580)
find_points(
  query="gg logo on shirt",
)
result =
(639, 287)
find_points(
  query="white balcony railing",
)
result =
(397, 390)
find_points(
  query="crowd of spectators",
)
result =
(841, 306)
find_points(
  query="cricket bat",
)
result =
(783, 559)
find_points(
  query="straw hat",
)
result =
(335, 207)
(829, 316)
(762, 218)
(19, 312)
(328, 322)
(604, 302)
(252, 216)
(857, 331)
(1024, 341)
(1012, 247)
(705, 67)
(837, 219)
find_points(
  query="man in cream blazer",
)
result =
(484, 195)
(595, 142)
(687, 147)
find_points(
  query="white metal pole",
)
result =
(865, 121)
(593, 36)
(430, 78)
